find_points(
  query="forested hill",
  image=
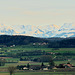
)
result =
(25, 40)
(62, 42)
(19, 40)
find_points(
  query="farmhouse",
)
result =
(34, 67)
(68, 65)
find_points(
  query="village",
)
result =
(45, 67)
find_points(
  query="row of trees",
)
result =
(43, 58)
(21, 53)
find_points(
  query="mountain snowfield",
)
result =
(67, 30)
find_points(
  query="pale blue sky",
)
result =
(37, 12)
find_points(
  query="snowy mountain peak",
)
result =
(55, 26)
(67, 30)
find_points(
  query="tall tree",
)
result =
(11, 69)
(2, 62)
(28, 66)
(42, 65)
(51, 64)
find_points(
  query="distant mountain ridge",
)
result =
(47, 31)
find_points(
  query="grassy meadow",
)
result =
(23, 48)
(16, 61)
(41, 73)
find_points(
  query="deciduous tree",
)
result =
(11, 69)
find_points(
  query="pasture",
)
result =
(14, 50)
(6, 51)
(41, 73)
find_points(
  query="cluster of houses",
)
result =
(44, 67)
(68, 65)
(44, 43)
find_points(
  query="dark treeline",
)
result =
(32, 53)
(25, 53)
(63, 43)
(25, 40)
(19, 40)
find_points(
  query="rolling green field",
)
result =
(23, 48)
(14, 50)
(41, 73)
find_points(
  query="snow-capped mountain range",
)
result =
(47, 31)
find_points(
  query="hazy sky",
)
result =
(37, 12)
